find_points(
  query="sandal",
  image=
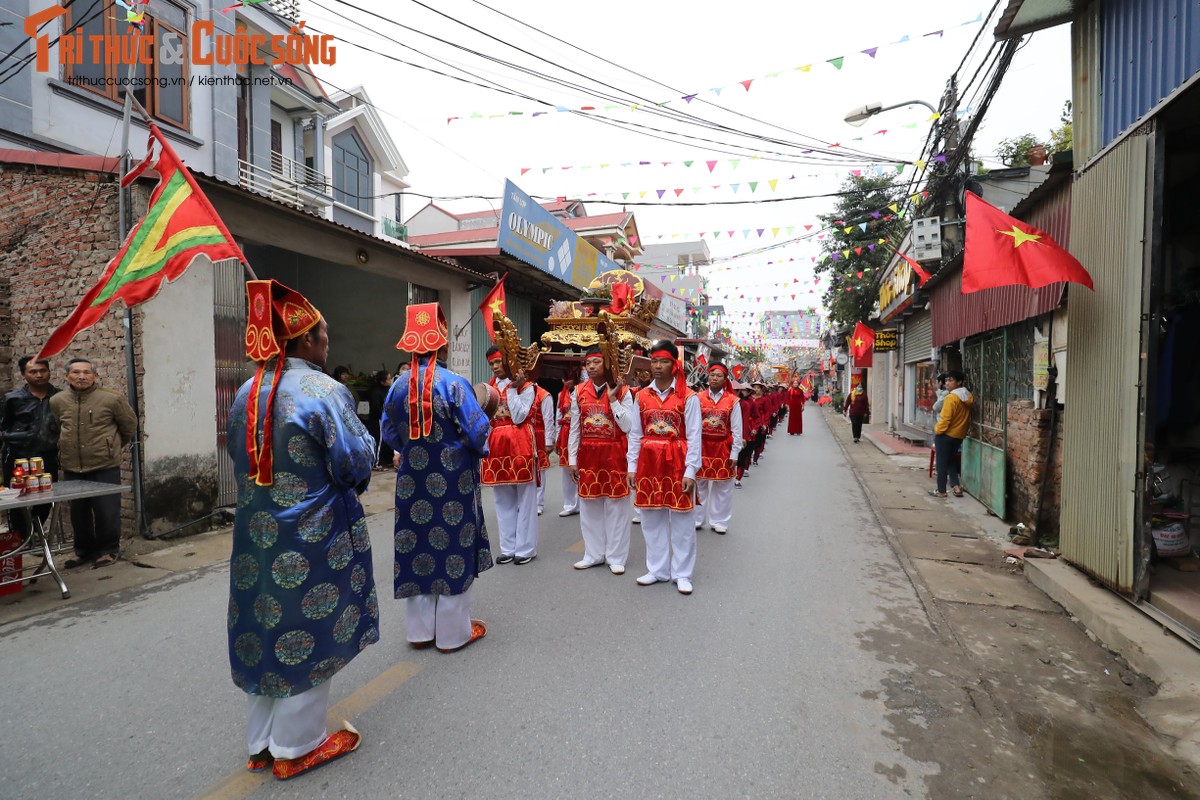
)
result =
(478, 631)
(958, 492)
(104, 561)
(76, 561)
(938, 494)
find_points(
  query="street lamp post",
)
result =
(860, 115)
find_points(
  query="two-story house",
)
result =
(308, 182)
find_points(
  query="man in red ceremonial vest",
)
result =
(511, 465)
(720, 443)
(562, 444)
(542, 419)
(601, 417)
(664, 457)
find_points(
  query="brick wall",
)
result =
(1028, 440)
(58, 230)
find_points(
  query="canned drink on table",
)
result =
(45, 481)
(37, 465)
(17, 482)
(21, 464)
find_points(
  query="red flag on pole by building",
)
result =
(1003, 251)
(922, 275)
(180, 224)
(494, 303)
(862, 345)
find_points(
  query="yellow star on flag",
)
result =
(858, 342)
(495, 306)
(1019, 236)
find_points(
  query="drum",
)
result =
(488, 397)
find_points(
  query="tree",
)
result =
(1014, 152)
(852, 283)
(1060, 137)
(749, 355)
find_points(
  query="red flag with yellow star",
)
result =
(494, 303)
(1003, 251)
(862, 345)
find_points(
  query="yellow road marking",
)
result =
(576, 548)
(243, 784)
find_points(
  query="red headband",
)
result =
(495, 357)
(714, 367)
(665, 354)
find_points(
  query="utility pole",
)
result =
(952, 233)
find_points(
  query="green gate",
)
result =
(999, 369)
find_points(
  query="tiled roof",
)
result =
(61, 160)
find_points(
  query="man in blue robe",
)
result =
(302, 599)
(434, 423)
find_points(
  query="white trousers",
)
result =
(289, 727)
(541, 497)
(605, 525)
(670, 542)
(715, 502)
(570, 492)
(440, 618)
(516, 516)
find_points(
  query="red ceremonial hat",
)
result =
(275, 314)
(425, 331)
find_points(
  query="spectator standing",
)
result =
(950, 430)
(29, 430)
(94, 425)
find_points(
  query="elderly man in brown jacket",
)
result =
(94, 426)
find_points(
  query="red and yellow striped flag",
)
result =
(180, 224)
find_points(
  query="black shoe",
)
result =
(524, 559)
(505, 559)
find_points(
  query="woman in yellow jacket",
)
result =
(949, 432)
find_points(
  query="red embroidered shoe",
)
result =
(342, 743)
(478, 631)
(258, 763)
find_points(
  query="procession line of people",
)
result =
(303, 599)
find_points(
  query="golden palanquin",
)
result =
(576, 325)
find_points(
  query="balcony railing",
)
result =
(288, 182)
(392, 228)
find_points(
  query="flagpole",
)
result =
(130, 367)
(470, 319)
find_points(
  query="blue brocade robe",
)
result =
(302, 599)
(441, 542)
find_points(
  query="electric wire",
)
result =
(647, 106)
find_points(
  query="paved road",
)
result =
(769, 681)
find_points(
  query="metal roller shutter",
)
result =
(918, 337)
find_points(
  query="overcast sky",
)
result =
(795, 95)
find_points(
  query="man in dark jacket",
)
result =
(29, 430)
(94, 426)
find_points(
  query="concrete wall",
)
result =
(179, 410)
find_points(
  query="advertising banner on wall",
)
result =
(532, 234)
(673, 312)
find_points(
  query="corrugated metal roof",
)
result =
(378, 240)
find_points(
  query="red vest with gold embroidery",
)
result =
(539, 426)
(563, 441)
(716, 436)
(661, 461)
(602, 445)
(511, 457)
